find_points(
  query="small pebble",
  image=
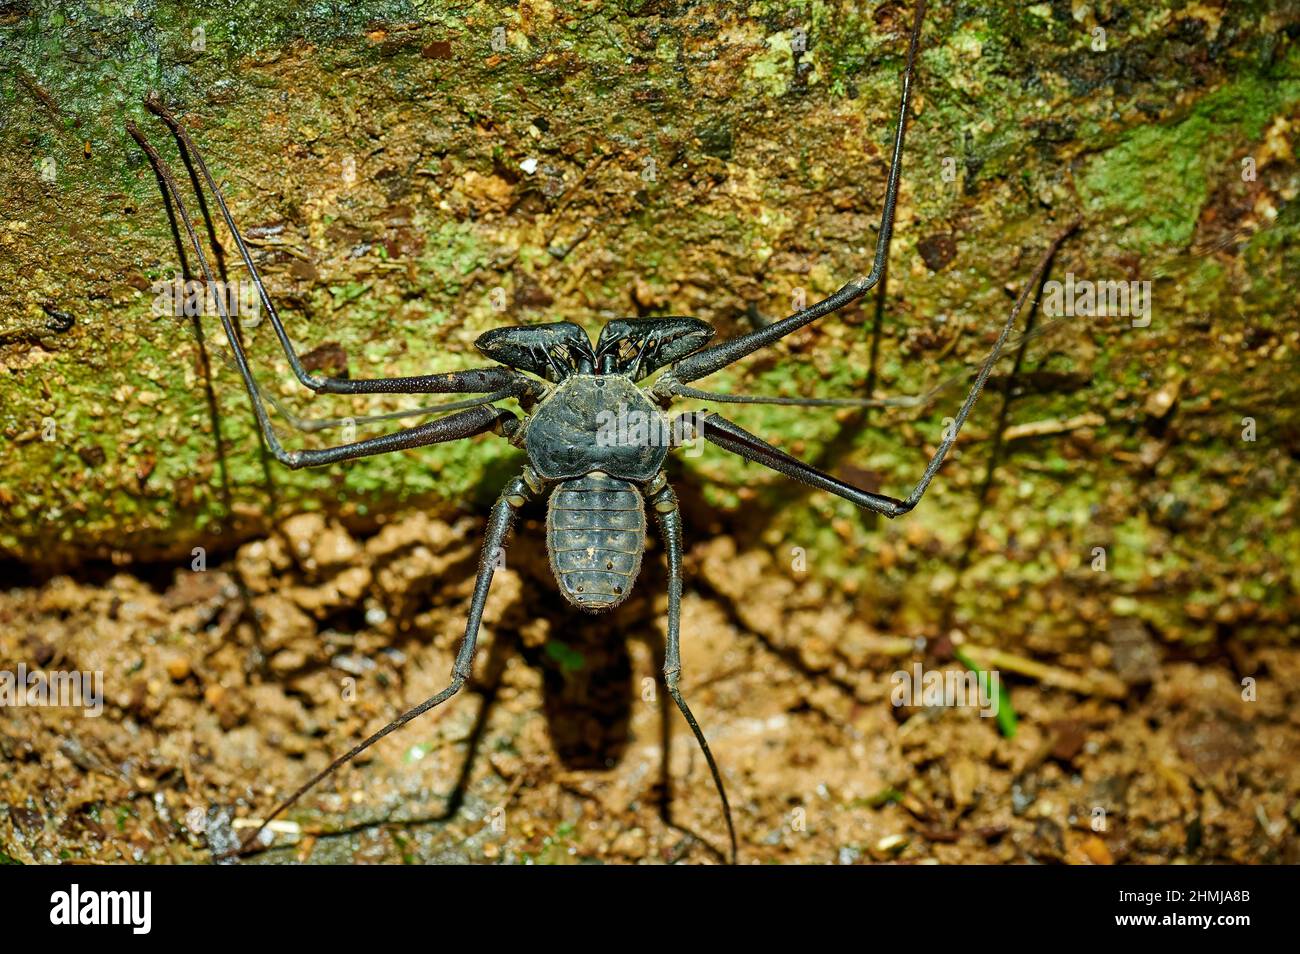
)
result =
(892, 844)
(178, 667)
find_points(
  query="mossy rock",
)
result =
(413, 175)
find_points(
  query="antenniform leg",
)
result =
(466, 423)
(311, 425)
(736, 439)
(501, 520)
(905, 401)
(663, 503)
(473, 381)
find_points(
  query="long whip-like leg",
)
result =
(499, 523)
(462, 424)
(311, 425)
(732, 437)
(905, 401)
(718, 356)
(473, 381)
(669, 517)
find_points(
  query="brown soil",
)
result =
(558, 752)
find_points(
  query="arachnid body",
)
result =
(600, 480)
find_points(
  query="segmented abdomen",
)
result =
(595, 535)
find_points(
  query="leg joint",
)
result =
(291, 459)
(659, 494)
(534, 482)
(518, 492)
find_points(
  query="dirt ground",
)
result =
(564, 748)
